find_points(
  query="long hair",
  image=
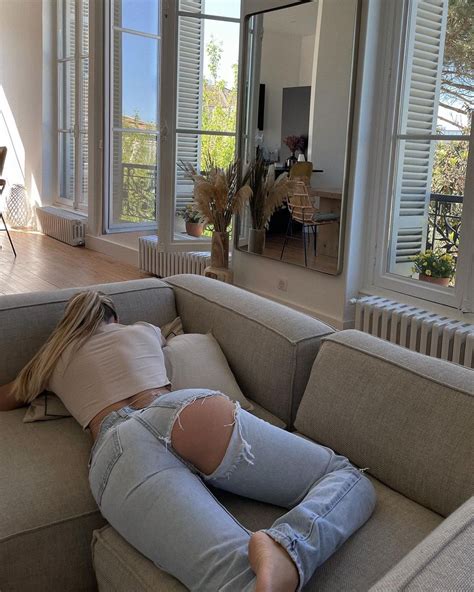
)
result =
(83, 315)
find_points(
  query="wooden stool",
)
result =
(219, 273)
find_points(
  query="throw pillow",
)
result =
(172, 329)
(46, 406)
(194, 360)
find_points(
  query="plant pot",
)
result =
(256, 240)
(194, 228)
(434, 280)
(220, 250)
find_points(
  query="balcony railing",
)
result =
(138, 193)
(444, 223)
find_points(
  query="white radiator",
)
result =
(164, 264)
(416, 329)
(65, 226)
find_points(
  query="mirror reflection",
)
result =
(296, 113)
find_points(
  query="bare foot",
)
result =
(272, 565)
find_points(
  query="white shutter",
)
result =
(190, 75)
(422, 79)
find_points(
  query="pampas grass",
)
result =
(217, 194)
(267, 193)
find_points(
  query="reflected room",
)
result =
(295, 120)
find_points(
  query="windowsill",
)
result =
(441, 309)
(62, 206)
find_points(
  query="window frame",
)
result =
(381, 198)
(109, 129)
(80, 107)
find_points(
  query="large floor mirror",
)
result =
(298, 65)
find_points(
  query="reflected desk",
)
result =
(327, 200)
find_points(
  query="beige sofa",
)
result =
(406, 417)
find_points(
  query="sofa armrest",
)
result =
(442, 561)
(269, 347)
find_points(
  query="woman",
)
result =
(154, 451)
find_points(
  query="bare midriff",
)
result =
(138, 401)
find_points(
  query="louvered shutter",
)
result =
(84, 105)
(70, 48)
(116, 80)
(425, 49)
(190, 76)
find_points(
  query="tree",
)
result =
(457, 78)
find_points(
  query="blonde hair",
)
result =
(83, 315)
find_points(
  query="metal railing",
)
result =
(444, 223)
(138, 192)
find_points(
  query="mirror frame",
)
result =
(249, 9)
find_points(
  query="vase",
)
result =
(220, 250)
(194, 229)
(256, 240)
(434, 280)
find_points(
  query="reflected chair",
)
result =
(3, 182)
(301, 171)
(303, 212)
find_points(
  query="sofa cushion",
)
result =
(442, 561)
(405, 416)
(397, 525)
(47, 510)
(270, 348)
(28, 319)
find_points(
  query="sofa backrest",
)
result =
(407, 417)
(26, 320)
(270, 348)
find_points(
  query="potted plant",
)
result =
(294, 143)
(218, 195)
(194, 222)
(435, 267)
(267, 196)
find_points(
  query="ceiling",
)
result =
(296, 20)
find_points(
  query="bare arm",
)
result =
(7, 401)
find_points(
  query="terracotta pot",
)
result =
(194, 228)
(220, 250)
(256, 240)
(435, 280)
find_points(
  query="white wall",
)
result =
(279, 69)
(21, 93)
(306, 60)
(330, 95)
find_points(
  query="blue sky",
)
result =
(139, 54)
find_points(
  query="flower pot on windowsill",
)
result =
(441, 281)
(195, 229)
(256, 240)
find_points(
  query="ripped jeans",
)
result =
(160, 503)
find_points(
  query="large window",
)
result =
(431, 142)
(73, 94)
(132, 154)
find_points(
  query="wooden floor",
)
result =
(43, 263)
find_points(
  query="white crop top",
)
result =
(116, 362)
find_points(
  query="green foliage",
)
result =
(449, 167)
(434, 264)
(190, 214)
(219, 111)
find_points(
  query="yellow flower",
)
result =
(428, 272)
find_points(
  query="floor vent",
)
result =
(416, 329)
(62, 225)
(164, 264)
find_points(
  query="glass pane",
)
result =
(66, 28)
(207, 74)
(135, 81)
(134, 171)
(456, 100)
(66, 165)
(85, 27)
(229, 8)
(67, 90)
(138, 15)
(427, 211)
(192, 149)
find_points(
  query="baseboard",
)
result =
(123, 253)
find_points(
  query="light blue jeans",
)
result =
(160, 503)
